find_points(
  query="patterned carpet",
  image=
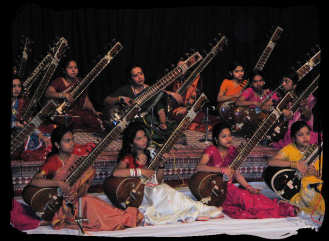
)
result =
(180, 164)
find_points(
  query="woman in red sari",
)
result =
(100, 214)
(246, 202)
(82, 112)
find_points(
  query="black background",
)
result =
(156, 37)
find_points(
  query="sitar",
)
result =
(282, 125)
(209, 187)
(38, 72)
(193, 78)
(226, 109)
(245, 117)
(116, 114)
(46, 201)
(286, 181)
(129, 191)
(58, 52)
(19, 139)
(81, 87)
(268, 49)
(218, 47)
(20, 68)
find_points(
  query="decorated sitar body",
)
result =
(227, 109)
(210, 188)
(286, 181)
(58, 52)
(46, 201)
(80, 88)
(129, 191)
(151, 91)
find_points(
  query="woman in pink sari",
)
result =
(245, 202)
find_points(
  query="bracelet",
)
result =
(139, 172)
(132, 172)
(293, 165)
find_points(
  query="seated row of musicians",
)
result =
(133, 159)
(233, 89)
(83, 115)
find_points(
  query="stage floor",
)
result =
(271, 228)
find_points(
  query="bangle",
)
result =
(139, 172)
(293, 165)
(132, 172)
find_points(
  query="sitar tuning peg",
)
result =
(187, 54)
(172, 66)
(166, 70)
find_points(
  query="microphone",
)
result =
(156, 100)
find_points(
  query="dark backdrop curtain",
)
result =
(155, 38)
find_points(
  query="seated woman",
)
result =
(81, 114)
(161, 203)
(309, 198)
(38, 144)
(244, 202)
(101, 215)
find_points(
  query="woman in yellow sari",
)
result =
(309, 198)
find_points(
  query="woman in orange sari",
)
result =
(101, 215)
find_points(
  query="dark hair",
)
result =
(296, 126)
(217, 129)
(292, 75)
(257, 72)
(128, 137)
(66, 63)
(56, 137)
(232, 67)
(17, 77)
(130, 68)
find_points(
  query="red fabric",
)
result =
(59, 86)
(22, 103)
(87, 119)
(20, 217)
(36, 155)
(54, 163)
(101, 215)
(130, 161)
(240, 203)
